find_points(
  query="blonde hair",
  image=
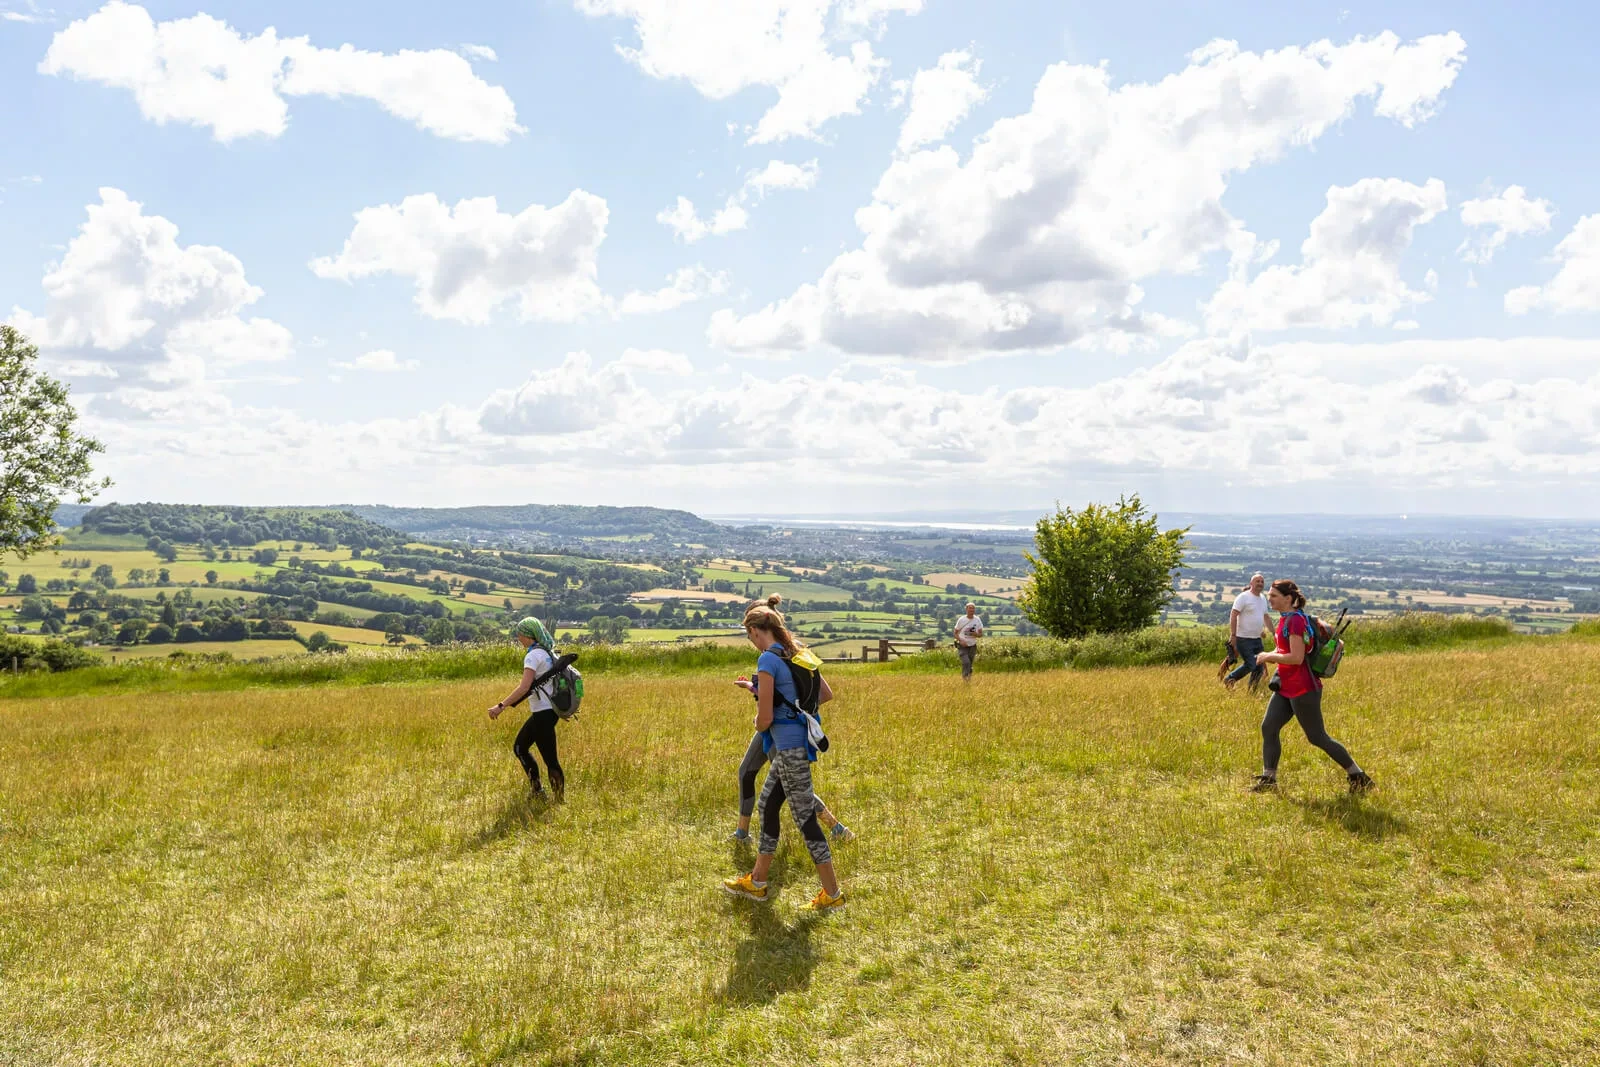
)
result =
(764, 615)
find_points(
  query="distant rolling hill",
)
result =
(568, 524)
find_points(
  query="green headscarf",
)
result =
(534, 629)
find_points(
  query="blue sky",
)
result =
(1057, 290)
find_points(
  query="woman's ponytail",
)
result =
(764, 615)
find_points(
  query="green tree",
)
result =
(105, 575)
(169, 616)
(440, 632)
(164, 578)
(318, 641)
(211, 577)
(26, 584)
(42, 458)
(1104, 569)
(132, 631)
(6, 578)
(395, 632)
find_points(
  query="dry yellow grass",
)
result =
(1052, 868)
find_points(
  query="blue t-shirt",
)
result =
(788, 729)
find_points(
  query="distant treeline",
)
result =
(558, 521)
(204, 524)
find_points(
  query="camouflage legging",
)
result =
(790, 779)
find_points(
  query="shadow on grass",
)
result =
(773, 960)
(518, 813)
(1356, 816)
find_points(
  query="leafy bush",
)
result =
(1100, 570)
(53, 656)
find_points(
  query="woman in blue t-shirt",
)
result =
(790, 750)
(755, 756)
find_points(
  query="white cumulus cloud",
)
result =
(468, 260)
(940, 97)
(1511, 214)
(1035, 239)
(684, 286)
(380, 361)
(1576, 286)
(1350, 269)
(812, 52)
(574, 397)
(128, 298)
(686, 224)
(201, 71)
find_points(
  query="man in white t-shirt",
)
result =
(1246, 622)
(968, 629)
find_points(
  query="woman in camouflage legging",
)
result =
(791, 753)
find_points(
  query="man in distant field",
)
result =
(968, 629)
(1246, 622)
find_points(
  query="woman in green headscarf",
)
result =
(540, 729)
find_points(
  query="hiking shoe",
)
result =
(1361, 782)
(1265, 783)
(823, 902)
(842, 833)
(743, 886)
(741, 837)
(536, 792)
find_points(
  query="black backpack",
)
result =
(808, 690)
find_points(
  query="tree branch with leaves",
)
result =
(42, 457)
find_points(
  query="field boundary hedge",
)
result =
(1156, 646)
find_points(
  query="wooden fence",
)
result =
(885, 649)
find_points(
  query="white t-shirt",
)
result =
(967, 630)
(538, 661)
(1252, 609)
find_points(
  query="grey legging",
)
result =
(1308, 709)
(749, 767)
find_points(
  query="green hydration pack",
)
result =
(1324, 643)
(565, 685)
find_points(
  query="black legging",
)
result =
(1308, 709)
(540, 732)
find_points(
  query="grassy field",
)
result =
(1052, 867)
(349, 635)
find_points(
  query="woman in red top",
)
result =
(1297, 693)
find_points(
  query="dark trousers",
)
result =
(539, 732)
(1308, 709)
(1248, 648)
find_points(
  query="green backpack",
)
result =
(566, 685)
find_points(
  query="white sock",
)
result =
(758, 885)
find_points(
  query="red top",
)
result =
(1294, 679)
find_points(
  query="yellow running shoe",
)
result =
(823, 902)
(743, 886)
